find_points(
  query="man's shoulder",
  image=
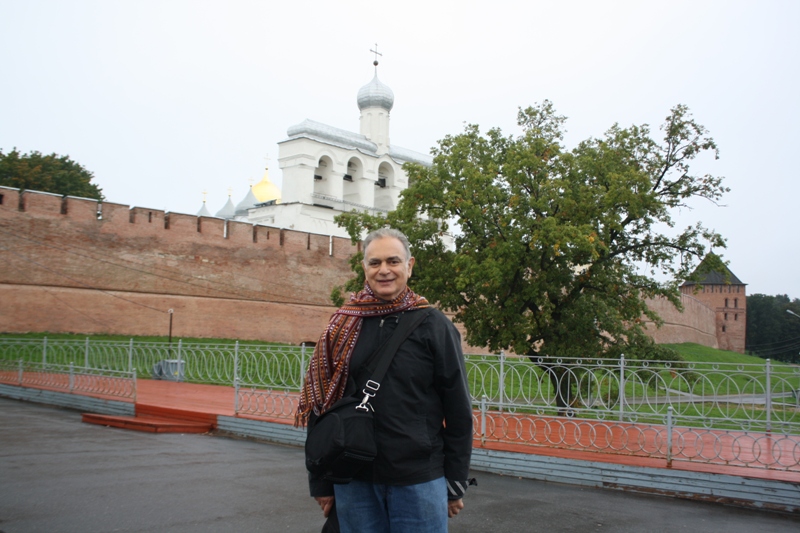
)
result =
(436, 319)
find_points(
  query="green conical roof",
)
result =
(713, 277)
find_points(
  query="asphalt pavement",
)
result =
(60, 475)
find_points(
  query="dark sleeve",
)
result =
(453, 390)
(316, 484)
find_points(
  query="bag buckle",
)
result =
(369, 391)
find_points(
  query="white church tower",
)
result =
(328, 171)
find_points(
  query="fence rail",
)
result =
(743, 414)
(256, 401)
(71, 378)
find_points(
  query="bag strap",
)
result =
(388, 350)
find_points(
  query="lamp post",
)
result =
(797, 392)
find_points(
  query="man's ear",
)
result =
(411, 266)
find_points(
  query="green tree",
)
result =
(47, 173)
(771, 331)
(556, 250)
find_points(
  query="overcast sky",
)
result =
(163, 100)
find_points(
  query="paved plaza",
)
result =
(60, 475)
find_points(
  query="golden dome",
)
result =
(265, 190)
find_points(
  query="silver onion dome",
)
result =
(375, 94)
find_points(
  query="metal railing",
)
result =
(751, 397)
(70, 378)
(255, 401)
(743, 414)
(281, 367)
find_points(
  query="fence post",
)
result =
(71, 376)
(19, 376)
(130, 356)
(502, 385)
(236, 391)
(768, 406)
(669, 437)
(236, 369)
(44, 351)
(180, 359)
(483, 420)
(302, 363)
(621, 387)
(133, 372)
(86, 354)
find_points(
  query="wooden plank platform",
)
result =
(150, 424)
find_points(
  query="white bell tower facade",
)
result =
(328, 171)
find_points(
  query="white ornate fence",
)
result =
(70, 378)
(739, 414)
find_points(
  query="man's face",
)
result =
(386, 268)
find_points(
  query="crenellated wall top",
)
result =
(133, 221)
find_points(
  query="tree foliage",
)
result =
(47, 173)
(772, 332)
(550, 243)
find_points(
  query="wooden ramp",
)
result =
(170, 407)
(150, 424)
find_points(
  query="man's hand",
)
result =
(326, 503)
(454, 506)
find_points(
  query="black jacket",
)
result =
(426, 385)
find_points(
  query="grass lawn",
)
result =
(126, 338)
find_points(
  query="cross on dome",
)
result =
(376, 56)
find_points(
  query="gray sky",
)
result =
(165, 99)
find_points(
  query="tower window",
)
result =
(736, 302)
(726, 302)
(348, 177)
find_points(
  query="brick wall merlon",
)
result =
(115, 216)
(295, 241)
(210, 227)
(240, 232)
(265, 236)
(181, 225)
(10, 201)
(152, 219)
(42, 203)
(319, 243)
(81, 209)
(343, 248)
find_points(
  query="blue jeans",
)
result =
(375, 508)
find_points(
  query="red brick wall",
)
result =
(233, 272)
(697, 322)
(69, 310)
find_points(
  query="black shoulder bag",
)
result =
(342, 440)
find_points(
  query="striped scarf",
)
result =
(329, 368)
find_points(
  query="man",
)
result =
(423, 411)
